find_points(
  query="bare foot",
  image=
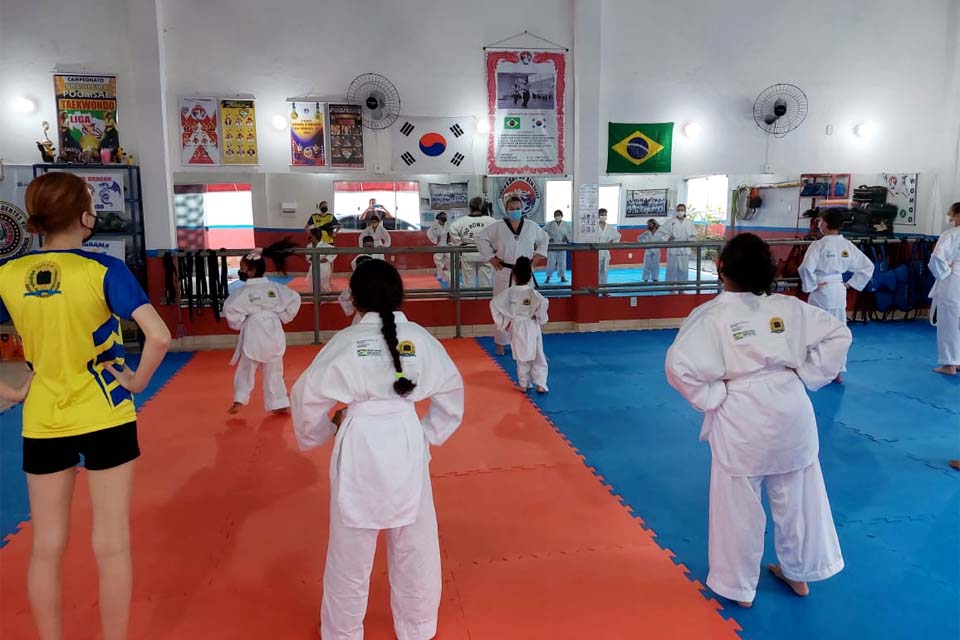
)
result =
(838, 379)
(519, 388)
(541, 390)
(947, 370)
(745, 605)
(500, 350)
(955, 464)
(234, 408)
(282, 412)
(799, 588)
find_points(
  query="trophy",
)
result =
(47, 151)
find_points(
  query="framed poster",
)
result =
(346, 135)
(306, 134)
(199, 131)
(238, 125)
(107, 188)
(526, 111)
(646, 203)
(86, 116)
(444, 197)
(902, 192)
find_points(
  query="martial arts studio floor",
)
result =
(579, 514)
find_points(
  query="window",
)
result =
(560, 196)
(400, 199)
(707, 199)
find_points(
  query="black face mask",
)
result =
(243, 276)
(442, 220)
(323, 209)
(94, 229)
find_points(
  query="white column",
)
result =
(148, 116)
(587, 67)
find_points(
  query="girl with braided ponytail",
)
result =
(380, 477)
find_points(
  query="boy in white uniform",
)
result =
(559, 232)
(945, 310)
(651, 257)
(606, 234)
(679, 229)
(502, 243)
(475, 272)
(375, 230)
(379, 471)
(743, 359)
(521, 310)
(823, 266)
(439, 237)
(258, 310)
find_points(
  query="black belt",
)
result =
(511, 266)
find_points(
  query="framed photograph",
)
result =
(646, 203)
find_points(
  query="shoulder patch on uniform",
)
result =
(845, 253)
(777, 325)
(43, 280)
(271, 293)
(526, 302)
(407, 348)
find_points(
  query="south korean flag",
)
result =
(433, 145)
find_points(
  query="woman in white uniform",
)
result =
(438, 235)
(679, 229)
(823, 266)
(258, 310)
(607, 234)
(379, 469)
(521, 310)
(945, 310)
(743, 359)
(651, 257)
(323, 263)
(559, 232)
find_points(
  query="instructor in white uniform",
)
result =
(743, 359)
(945, 311)
(475, 272)
(502, 243)
(679, 229)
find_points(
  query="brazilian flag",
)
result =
(639, 148)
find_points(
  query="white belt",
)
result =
(743, 382)
(830, 277)
(380, 408)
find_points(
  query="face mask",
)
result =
(603, 218)
(681, 214)
(323, 209)
(442, 220)
(515, 215)
(93, 230)
(558, 220)
(243, 276)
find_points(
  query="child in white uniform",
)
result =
(439, 236)
(607, 234)
(375, 230)
(346, 297)
(823, 266)
(258, 310)
(945, 310)
(521, 311)
(743, 359)
(651, 257)
(325, 263)
(379, 471)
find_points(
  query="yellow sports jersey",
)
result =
(67, 307)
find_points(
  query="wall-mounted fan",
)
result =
(378, 97)
(779, 109)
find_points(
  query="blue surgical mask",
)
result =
(515, 215)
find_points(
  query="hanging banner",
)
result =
(646, 203)
(525, 106)
(238, 124)
(531, 191)
(444, 197)
(87, 116)
(433, 145)
(15, 240)
(199, 131)
(306, 134)
(346, 135)
(902, 191)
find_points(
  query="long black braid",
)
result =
(376, 287)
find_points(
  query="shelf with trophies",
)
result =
(114, 181)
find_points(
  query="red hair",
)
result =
(55, 201)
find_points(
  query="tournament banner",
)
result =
(639, 148)
(86, 115)
(531, 191)
(526, 111)
(444, 197)
(433, 145)
(306, 135)
(199, 132)
(646, 203)
(238, 124)
(902, 192)
(15, 240)
(346, 135)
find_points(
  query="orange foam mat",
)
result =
(230, 528)
(339, 283)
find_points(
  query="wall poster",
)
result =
(526, 111)
(646, 203)
(306, 134)
(588, 205)
(346, 136)
(902, 191)
(199, 131)
(238, 124)
(86, 116)
(444, 197)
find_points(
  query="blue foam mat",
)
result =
(885, 437)
(14, 503)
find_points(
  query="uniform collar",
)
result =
(261, 280)
(374, 318)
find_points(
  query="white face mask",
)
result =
(603, 218)
(558, 220)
